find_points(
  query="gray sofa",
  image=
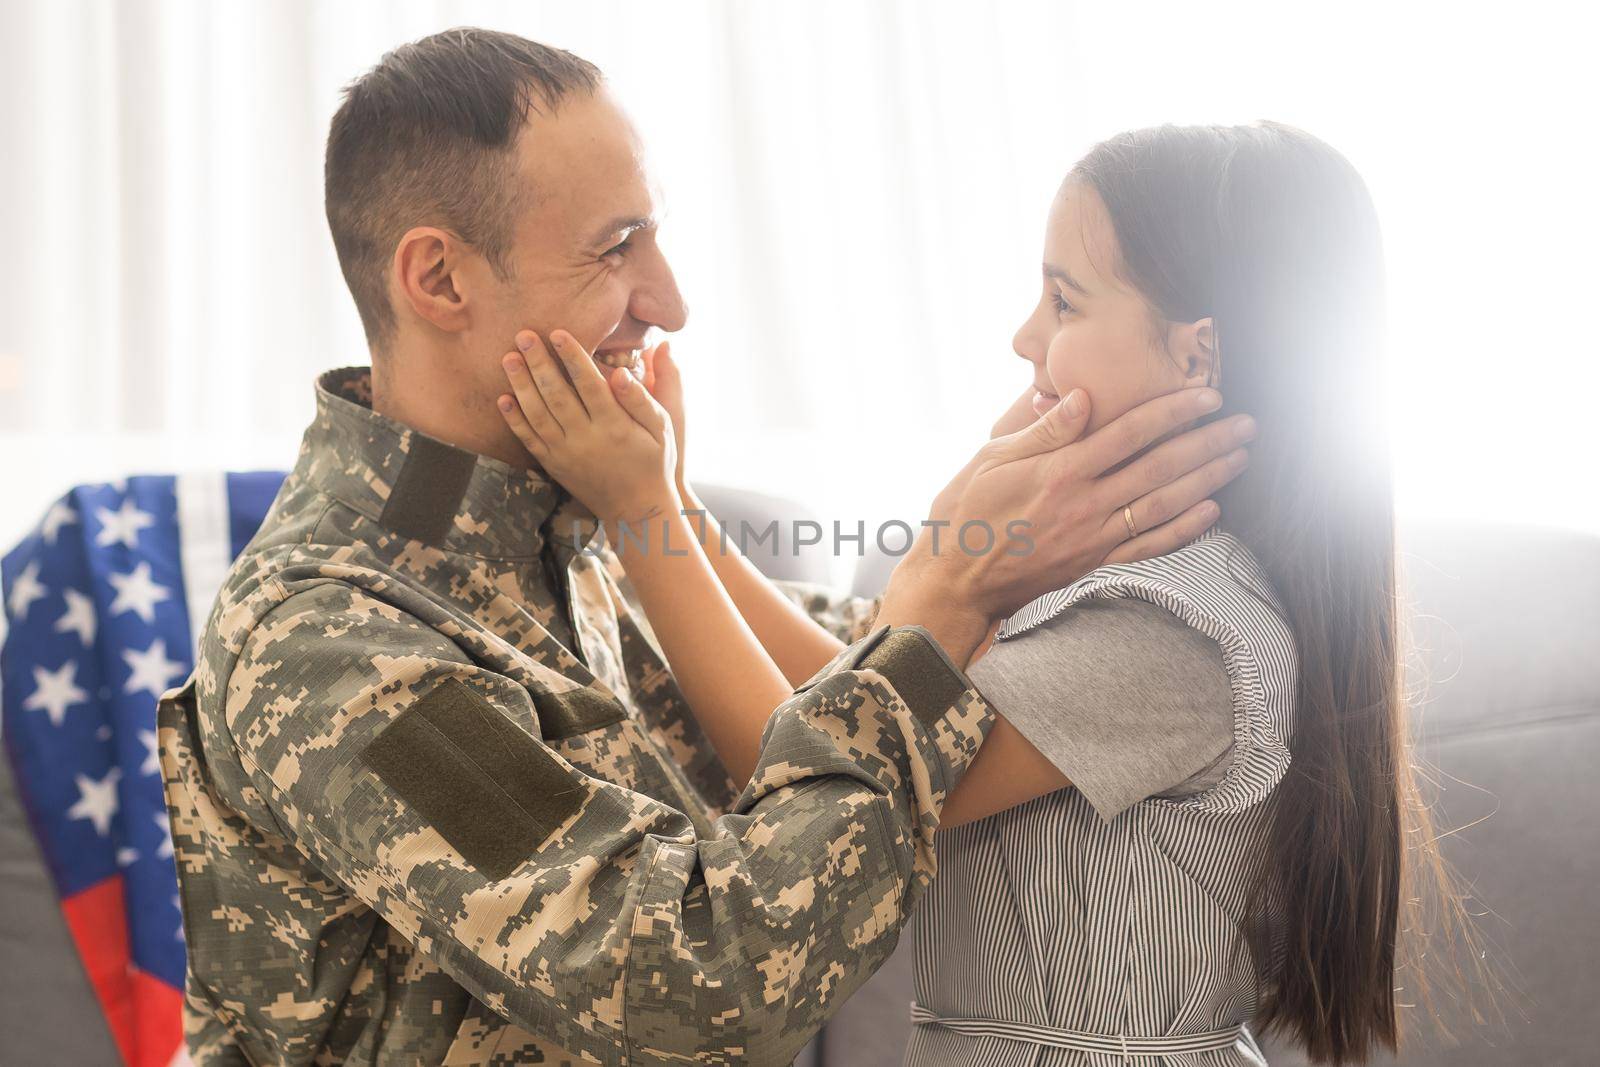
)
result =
(1507, 622)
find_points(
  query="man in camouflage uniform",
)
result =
(434, 795)
(431, 806)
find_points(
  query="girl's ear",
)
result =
(1193, 347)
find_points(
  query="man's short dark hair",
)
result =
(428, 137)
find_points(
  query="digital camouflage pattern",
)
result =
(657, 915)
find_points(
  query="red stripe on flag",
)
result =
(145, 1014)
(160, 1019)
(99, 925)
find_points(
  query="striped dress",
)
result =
(1052, 937)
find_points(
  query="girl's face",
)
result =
(1093, 331)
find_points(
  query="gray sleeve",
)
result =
(1127, 700)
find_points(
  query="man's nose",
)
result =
(656, 300)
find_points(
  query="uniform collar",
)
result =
(426, 490)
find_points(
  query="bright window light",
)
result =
(856, 196)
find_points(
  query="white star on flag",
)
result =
(137, 592)
(27, 589)
(152, 670)
(56, 692)
(152, 757)
(58, 516)
(127, 856)
(97, 801)
(78, 618)
(122, 525)
(166, 834)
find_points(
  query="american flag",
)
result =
(103, 601)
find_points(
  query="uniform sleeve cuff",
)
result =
(912, 661)
(953, 716)
(920, 671)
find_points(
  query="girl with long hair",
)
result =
(1235, 847)
(1194, 818)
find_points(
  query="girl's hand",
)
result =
(607, 442)
(662, 381)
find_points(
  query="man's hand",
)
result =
(1071, 494)
(1019, 416)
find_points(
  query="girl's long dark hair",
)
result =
(1271, 233)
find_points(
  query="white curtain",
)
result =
(855, 191)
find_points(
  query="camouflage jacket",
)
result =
(435, 797)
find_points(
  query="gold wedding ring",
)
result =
(1127, 518)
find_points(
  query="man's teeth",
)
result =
(629, 359)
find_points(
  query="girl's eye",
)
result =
(1062, 307)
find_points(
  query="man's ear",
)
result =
(428, 278)
(1193, 347)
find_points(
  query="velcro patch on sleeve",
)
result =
(919, 670)
(577, 711)
(494, 793)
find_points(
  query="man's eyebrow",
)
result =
(625, 225)
(1060, 274)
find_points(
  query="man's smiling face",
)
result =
(584, 256)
